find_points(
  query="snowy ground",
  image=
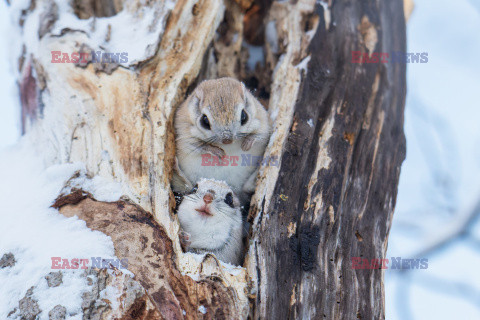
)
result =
(439, 180)
(35, 233)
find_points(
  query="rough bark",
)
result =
(336, 189)
(337, 131)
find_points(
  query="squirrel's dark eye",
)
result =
(204, 122)
(194, 190)
(229, 199)
(243, 117)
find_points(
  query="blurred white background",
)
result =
(439, 189)
(439, 185)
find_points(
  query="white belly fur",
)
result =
(235, 176)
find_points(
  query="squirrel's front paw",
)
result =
(248, 142)
(185, 241)
(216, 151)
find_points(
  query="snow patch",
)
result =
(34, 232)
(136, 31)
(303, 64)
(101, 188)
(202, 309)
(112, 294)
(231, 268)
(190, 266)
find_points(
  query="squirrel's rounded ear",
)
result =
(244, 91)
(195, 101)
(249, 99)
(197, 96)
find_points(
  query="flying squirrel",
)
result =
(220, 123)
(211, 221)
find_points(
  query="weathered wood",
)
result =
(337, 185)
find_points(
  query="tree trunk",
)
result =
(337, 132)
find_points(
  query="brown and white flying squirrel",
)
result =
(220, 118)
(211, 221)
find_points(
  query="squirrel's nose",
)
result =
(208, 198)
(227, 137)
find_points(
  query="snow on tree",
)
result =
(337, 134)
